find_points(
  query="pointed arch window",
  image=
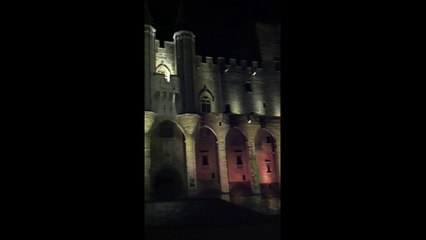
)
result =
(163, 69)
(206, 99)
(205, 104)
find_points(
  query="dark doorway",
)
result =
(167, 184)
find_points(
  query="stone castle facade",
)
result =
(211, 126)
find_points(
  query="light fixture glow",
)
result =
(249, 117)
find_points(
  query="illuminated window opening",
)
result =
(163, 69)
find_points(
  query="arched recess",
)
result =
(205, 104)
(237, 159)
(168, 161)
(163, 69)
(265, 146)
(206, 98)
(207, 163)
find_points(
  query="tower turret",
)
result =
(149, 52)
(185, 66)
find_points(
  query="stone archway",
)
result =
(168, 161)
(207, 163)
(237, 157)
(265, 145)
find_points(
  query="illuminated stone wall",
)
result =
(224, 81)
(178, 80)
(166, 55)
(208, 77)
(228, 83)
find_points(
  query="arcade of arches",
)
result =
(181, 163)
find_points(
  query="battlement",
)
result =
(228, 64)
(164, 44)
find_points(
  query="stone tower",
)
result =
(185, 62)
(149, 50)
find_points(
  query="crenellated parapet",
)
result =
(232, 64)
(227, 85)
(160, 44)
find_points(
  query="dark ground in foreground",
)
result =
(206, 219)
(270, 231)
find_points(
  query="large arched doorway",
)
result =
(168, 162)
(239, 173)
(265, 146)
(208, 178)
(167, 184)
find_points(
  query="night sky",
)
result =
(222, 28)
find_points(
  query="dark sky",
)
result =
(222, 28)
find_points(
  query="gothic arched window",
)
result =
(163, 69)
(206, 98)
(205, 104)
